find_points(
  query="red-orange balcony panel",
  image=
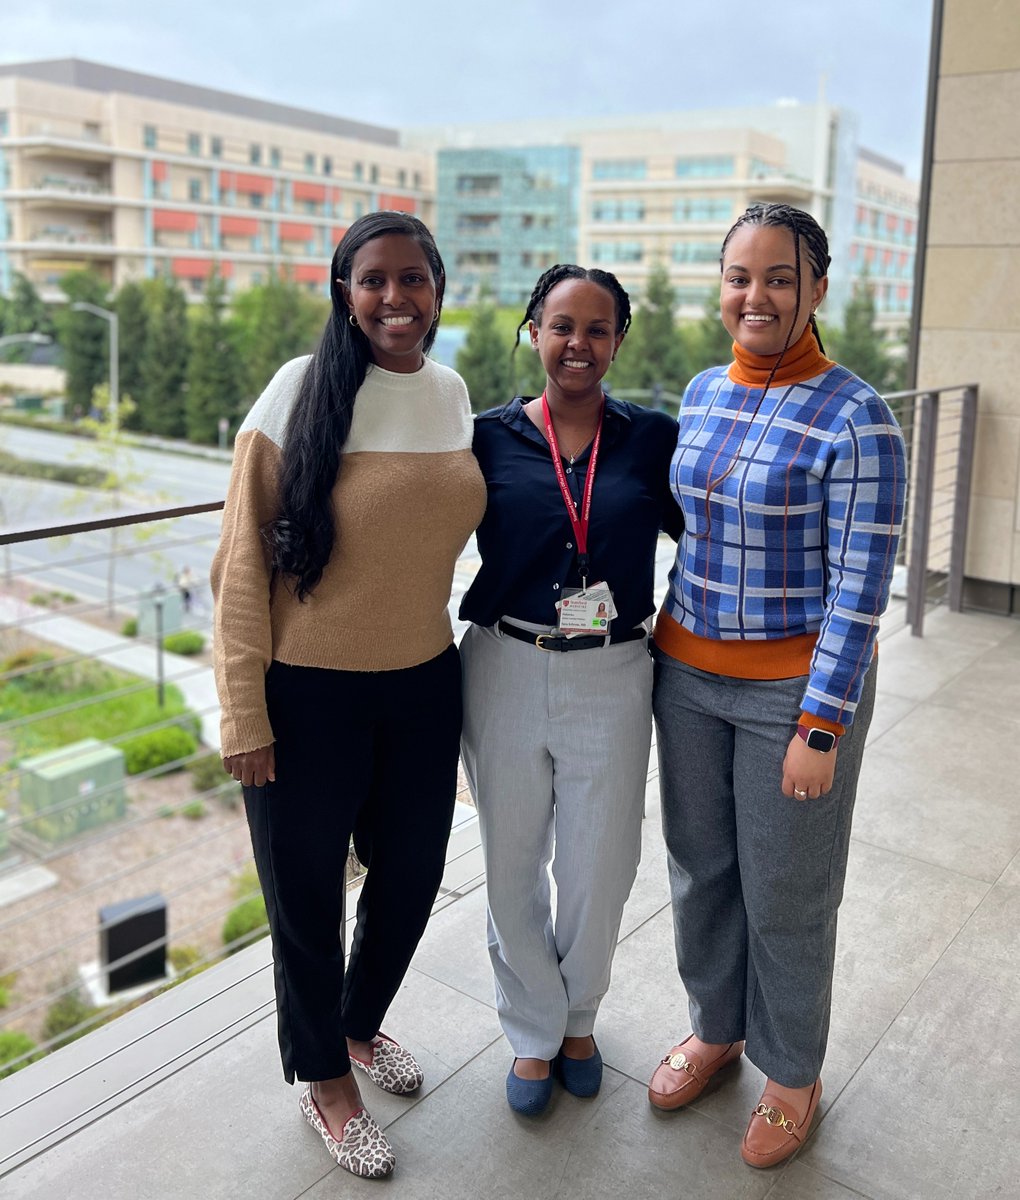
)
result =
(397, 203)
(239, 226)
(295, 231)
(310, 273)
(338, 233)
(310, 191)
(241, 181)
(164, 218)
(158, 172)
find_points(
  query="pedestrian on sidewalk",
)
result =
(790, 472)
(352, 494)
(186, 586)
(557, 676)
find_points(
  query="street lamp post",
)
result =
(110, 316)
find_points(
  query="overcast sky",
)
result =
(405, 63)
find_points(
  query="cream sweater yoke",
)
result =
(389, 414)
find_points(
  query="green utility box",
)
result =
(170, 602)
(67, 791)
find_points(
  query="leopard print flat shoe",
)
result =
(392, 1068)
(362, 1147)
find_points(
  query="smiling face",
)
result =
(392, 295)
(758, 298)
(576, 338)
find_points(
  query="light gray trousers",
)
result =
(556, 752)
(756, 878)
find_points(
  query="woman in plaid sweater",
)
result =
(790, 472)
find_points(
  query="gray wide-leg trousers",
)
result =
(756, 878)
(555, 747)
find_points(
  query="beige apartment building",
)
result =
(136, 176)
(663, 188)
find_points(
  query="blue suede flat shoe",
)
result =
(529, 1097)
(580, 1076)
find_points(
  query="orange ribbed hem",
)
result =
(772, 658)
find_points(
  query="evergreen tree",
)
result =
(653, 354)
(132, 315)
(165, 362)
(83, 338)
(24, 310)
(214, 369)
(275, 322)
(709, 344)
(528, 374)
(483, 360)
(858, 345)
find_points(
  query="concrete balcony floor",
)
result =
(183, 1097)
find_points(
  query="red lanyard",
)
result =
(578, 523)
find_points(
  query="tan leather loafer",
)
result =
(681, 1077)
(773, 1134)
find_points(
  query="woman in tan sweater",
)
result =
(353, 491)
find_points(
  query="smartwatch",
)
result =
(818, 739)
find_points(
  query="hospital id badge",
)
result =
(589, 611)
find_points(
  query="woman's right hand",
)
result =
(252, 768)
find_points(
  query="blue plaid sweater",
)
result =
(800, 538)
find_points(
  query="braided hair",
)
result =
(557, 274)
(303, 535)
(804, 230)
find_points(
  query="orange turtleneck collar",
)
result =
(803, 360)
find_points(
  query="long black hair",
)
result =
(801, 225)
(304, 533)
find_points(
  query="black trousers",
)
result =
(373, 754)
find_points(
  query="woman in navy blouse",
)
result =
(558, 678)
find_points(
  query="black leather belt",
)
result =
(560, 641)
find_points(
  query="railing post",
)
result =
(921, 502)
(961, 500)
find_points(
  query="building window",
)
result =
(149, 137)
(359, 171)
(4, 124)
(274, 156)
(616, 252)
(478, 258)
(695, 296)
(478, 222)
(711, 166)
(255, 154)
(373, 174)
(195, 190)
(618, 210)
(359, 209)
(216, 147)
(417, 179)
(619, 168)
(702, 208)
(194, 144)
(401, 178)
(310, 162)
(696, 252)
(478, 185)
(256, 199)
(327, 165)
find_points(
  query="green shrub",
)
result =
(246, 883)
(129, 628)
(245, 924)
(185, 642)
(208, 775)
(5, 995)
(181, 958)
(40, 599)
(65, 1013)
(13, 1044)
(194, 811)
(76, 473)
(157, 748)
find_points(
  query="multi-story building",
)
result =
(137, 176)
(511, 213)
(665, 188)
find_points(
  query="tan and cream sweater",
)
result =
(408, 496)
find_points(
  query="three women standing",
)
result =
(557, 689)
(790, 472)
(353, 481)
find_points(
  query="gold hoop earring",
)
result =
(436, 317)
(353, 320)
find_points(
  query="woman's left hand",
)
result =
(807, 773)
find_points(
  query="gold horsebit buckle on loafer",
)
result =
(680, 1062)
(775, 1117)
